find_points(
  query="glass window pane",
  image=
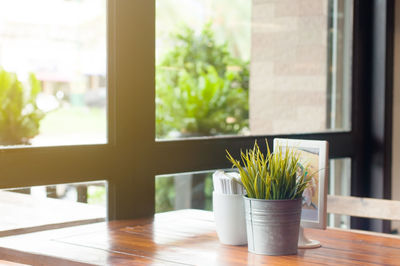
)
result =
(184, 191)
(339, 184)
(53, 72)
(252, 67)
(53, 205)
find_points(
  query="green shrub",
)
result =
(19, 114)
(201, 89)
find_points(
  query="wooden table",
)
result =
(185, 237)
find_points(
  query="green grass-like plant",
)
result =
(274, 176)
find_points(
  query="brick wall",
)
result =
(288, 72)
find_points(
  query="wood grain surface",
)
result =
(184, 237)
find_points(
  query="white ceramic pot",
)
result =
(230, 218)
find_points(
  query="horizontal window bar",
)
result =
(209, 153)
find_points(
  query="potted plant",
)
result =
(274, 184)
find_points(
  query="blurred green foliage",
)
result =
(19, 115)
(208, 190)
(96, 195)
(165, 194)
(201, 90)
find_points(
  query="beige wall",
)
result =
(288, 66)
(396, 113)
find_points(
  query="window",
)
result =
(242, 68)
(53, 62)
(239, 67)
(184, 191)
(126, 130)
(356, 108)
(131, 158)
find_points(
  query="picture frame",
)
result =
(314, 154)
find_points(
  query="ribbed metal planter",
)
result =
(272, 225)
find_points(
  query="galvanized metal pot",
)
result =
(272, 225)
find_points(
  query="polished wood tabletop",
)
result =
(184, 237)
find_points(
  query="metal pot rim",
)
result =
(279, 200)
